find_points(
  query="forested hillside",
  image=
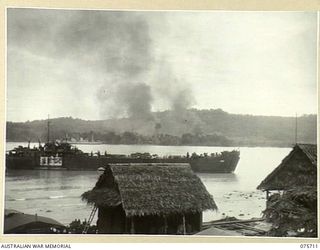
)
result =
(186, 127)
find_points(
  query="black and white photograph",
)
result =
(156, 122)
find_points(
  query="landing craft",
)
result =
(64, 156)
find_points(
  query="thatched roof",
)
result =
(292, 172)
(145, 189)
(15, 219)
(310, 151)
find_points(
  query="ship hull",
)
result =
(224, 163)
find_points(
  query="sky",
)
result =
(108, 64)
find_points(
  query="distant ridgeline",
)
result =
(183, 127)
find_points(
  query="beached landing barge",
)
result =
(63, 156)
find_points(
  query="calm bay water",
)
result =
(56, 194)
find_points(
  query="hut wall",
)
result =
(111, 220)
(194, 221)
(150, 224)
(114, 221)
(173, 224)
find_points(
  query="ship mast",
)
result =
(296, 130)
(48, 133)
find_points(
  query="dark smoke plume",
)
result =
(177, 92)
(182, 100)
(113, 46)
(110, 41)
(137, 99)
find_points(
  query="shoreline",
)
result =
(168, 145)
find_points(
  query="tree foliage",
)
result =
(175, 128)
(77, 227)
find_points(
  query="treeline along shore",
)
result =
(185, 127)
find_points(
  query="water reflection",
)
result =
(232, 177)
(57, 194)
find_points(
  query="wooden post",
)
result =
(126, 225)
(132, 225)
(184, 224)
(267, 196)
(200, 222)
(165, 224)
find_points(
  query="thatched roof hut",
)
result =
(293, 211)
(299, 168)
(167, 195)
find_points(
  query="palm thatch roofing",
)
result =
(151, 189)
(310, 151)
(15, 219)
(298, 168)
